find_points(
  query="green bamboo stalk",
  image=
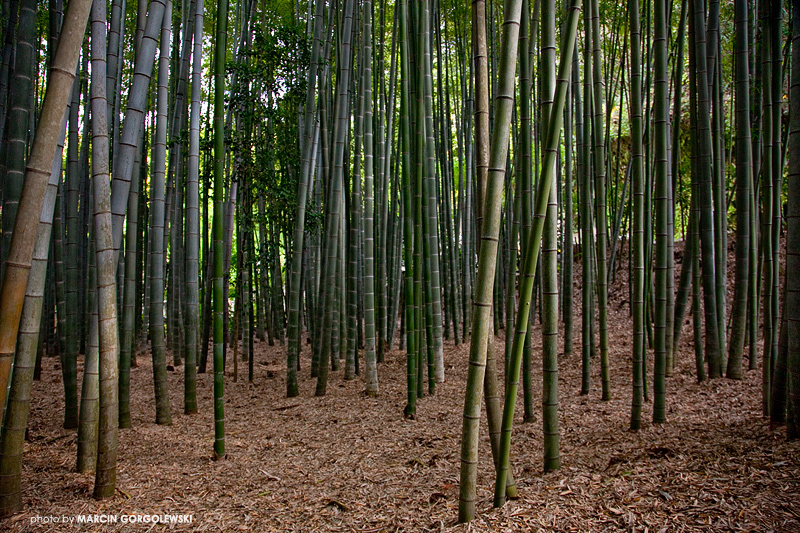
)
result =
(697, 321)
(568, 232)
(661, 105)
(220, 52)
(408, 221)
(551, 154)
(753, 299)
(637, 243)
(694, 217)
(490, 229)
(129, 310)
(371, 375)
(552, 460)
(670, 274)
(17, 118)
(334, 215)
(69, 365)
(768, 207)
(718, 178)
(193, 222)
(743, 179)
(706, 194)
(776, 171)
(431, 195)
(352, 224)
(601, 286)
(682, 294)
(587, 233)
(157, 226)
(302, 198)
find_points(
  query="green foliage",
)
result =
(269, 89)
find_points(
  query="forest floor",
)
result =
(349, 462)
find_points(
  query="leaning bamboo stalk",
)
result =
(37, 174)
(16, 419)
(490, 230)
(309, 155)
(534, 243)
(125, 153)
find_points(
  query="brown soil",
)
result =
(348, 462)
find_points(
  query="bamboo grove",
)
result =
(375, 179)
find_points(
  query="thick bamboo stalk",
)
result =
(38, 171)
(106, 468)
(16, 417)
(17, 118)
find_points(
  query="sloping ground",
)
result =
(348, 462)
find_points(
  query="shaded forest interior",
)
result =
(401, 265)
(350, 462)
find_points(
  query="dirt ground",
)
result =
(349, 462)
